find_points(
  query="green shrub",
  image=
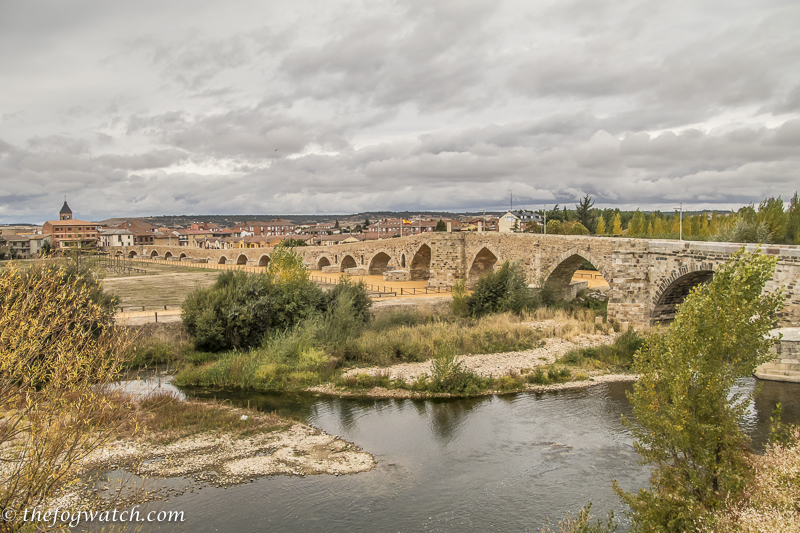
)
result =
(356, 293)
(503, 290)
(240, 308)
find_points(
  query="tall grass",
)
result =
(310, 353)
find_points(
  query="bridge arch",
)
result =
(483, 262)
(167, 254)
(323, 261)
(153, 254)
(379, 263)
(674, 289)
(559, 275)
(131, 254)
(222, 260)
(421, 263)
(263, 261)
(182, 256)
(347, 262)
(241, 260)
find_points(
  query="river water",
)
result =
(501, 463)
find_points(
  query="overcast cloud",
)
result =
(209, 107)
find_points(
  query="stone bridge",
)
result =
(647, 278)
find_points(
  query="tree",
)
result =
(59, 350)
(601, 227)
(583, 210)
(441, 226)
(577, 229)
(367, 222)
(686, 415)
(638, 225)
(555, 227)
(616, 227)
(336, 225)
(793, 221)
(533, 227)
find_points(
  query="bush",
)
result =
(356, 293)
(240, 308)
(501, 291)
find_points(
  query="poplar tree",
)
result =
(686, 416)
(616, 228)
(601, 227)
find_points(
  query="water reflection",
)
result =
(482, 464)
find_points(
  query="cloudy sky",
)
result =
(270, 106)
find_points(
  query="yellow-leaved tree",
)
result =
(58, 348)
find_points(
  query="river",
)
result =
(498, 463)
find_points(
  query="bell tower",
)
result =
(66, 212)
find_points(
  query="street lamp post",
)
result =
(680, 223)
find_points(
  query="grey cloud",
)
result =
(149, 160)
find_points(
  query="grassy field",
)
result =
(168, 289)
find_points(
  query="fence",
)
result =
(387, 289)
(380, 290)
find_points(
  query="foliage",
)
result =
(505, 289)
(601, 227)
(291, 243)
(555, 227)
(686, 416)
(583, 210)
(440, 226)
(618, 354)
(583, 523)
(58, 349)
(770, 504)
(356, 292)
(240, 308)
(577, 229)
(459, 304)
(616, 225)
(286, 265)
(448, 374)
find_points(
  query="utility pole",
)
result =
(544, 227)
(484, 219)
(511, 205)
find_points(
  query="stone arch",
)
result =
(223, 260)
(241, 260)
(263, 261)
(153, 254)
(483, 263)
(421, 263)
(347, 262)
(560, 274)
(323, 262)
(379, 263)
(118, 254)
(131, 254)
(674, 289)
(182, 256)
(167, 254)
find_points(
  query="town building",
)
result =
(67, 232)
(115, 237)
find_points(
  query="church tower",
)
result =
(66, 212)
